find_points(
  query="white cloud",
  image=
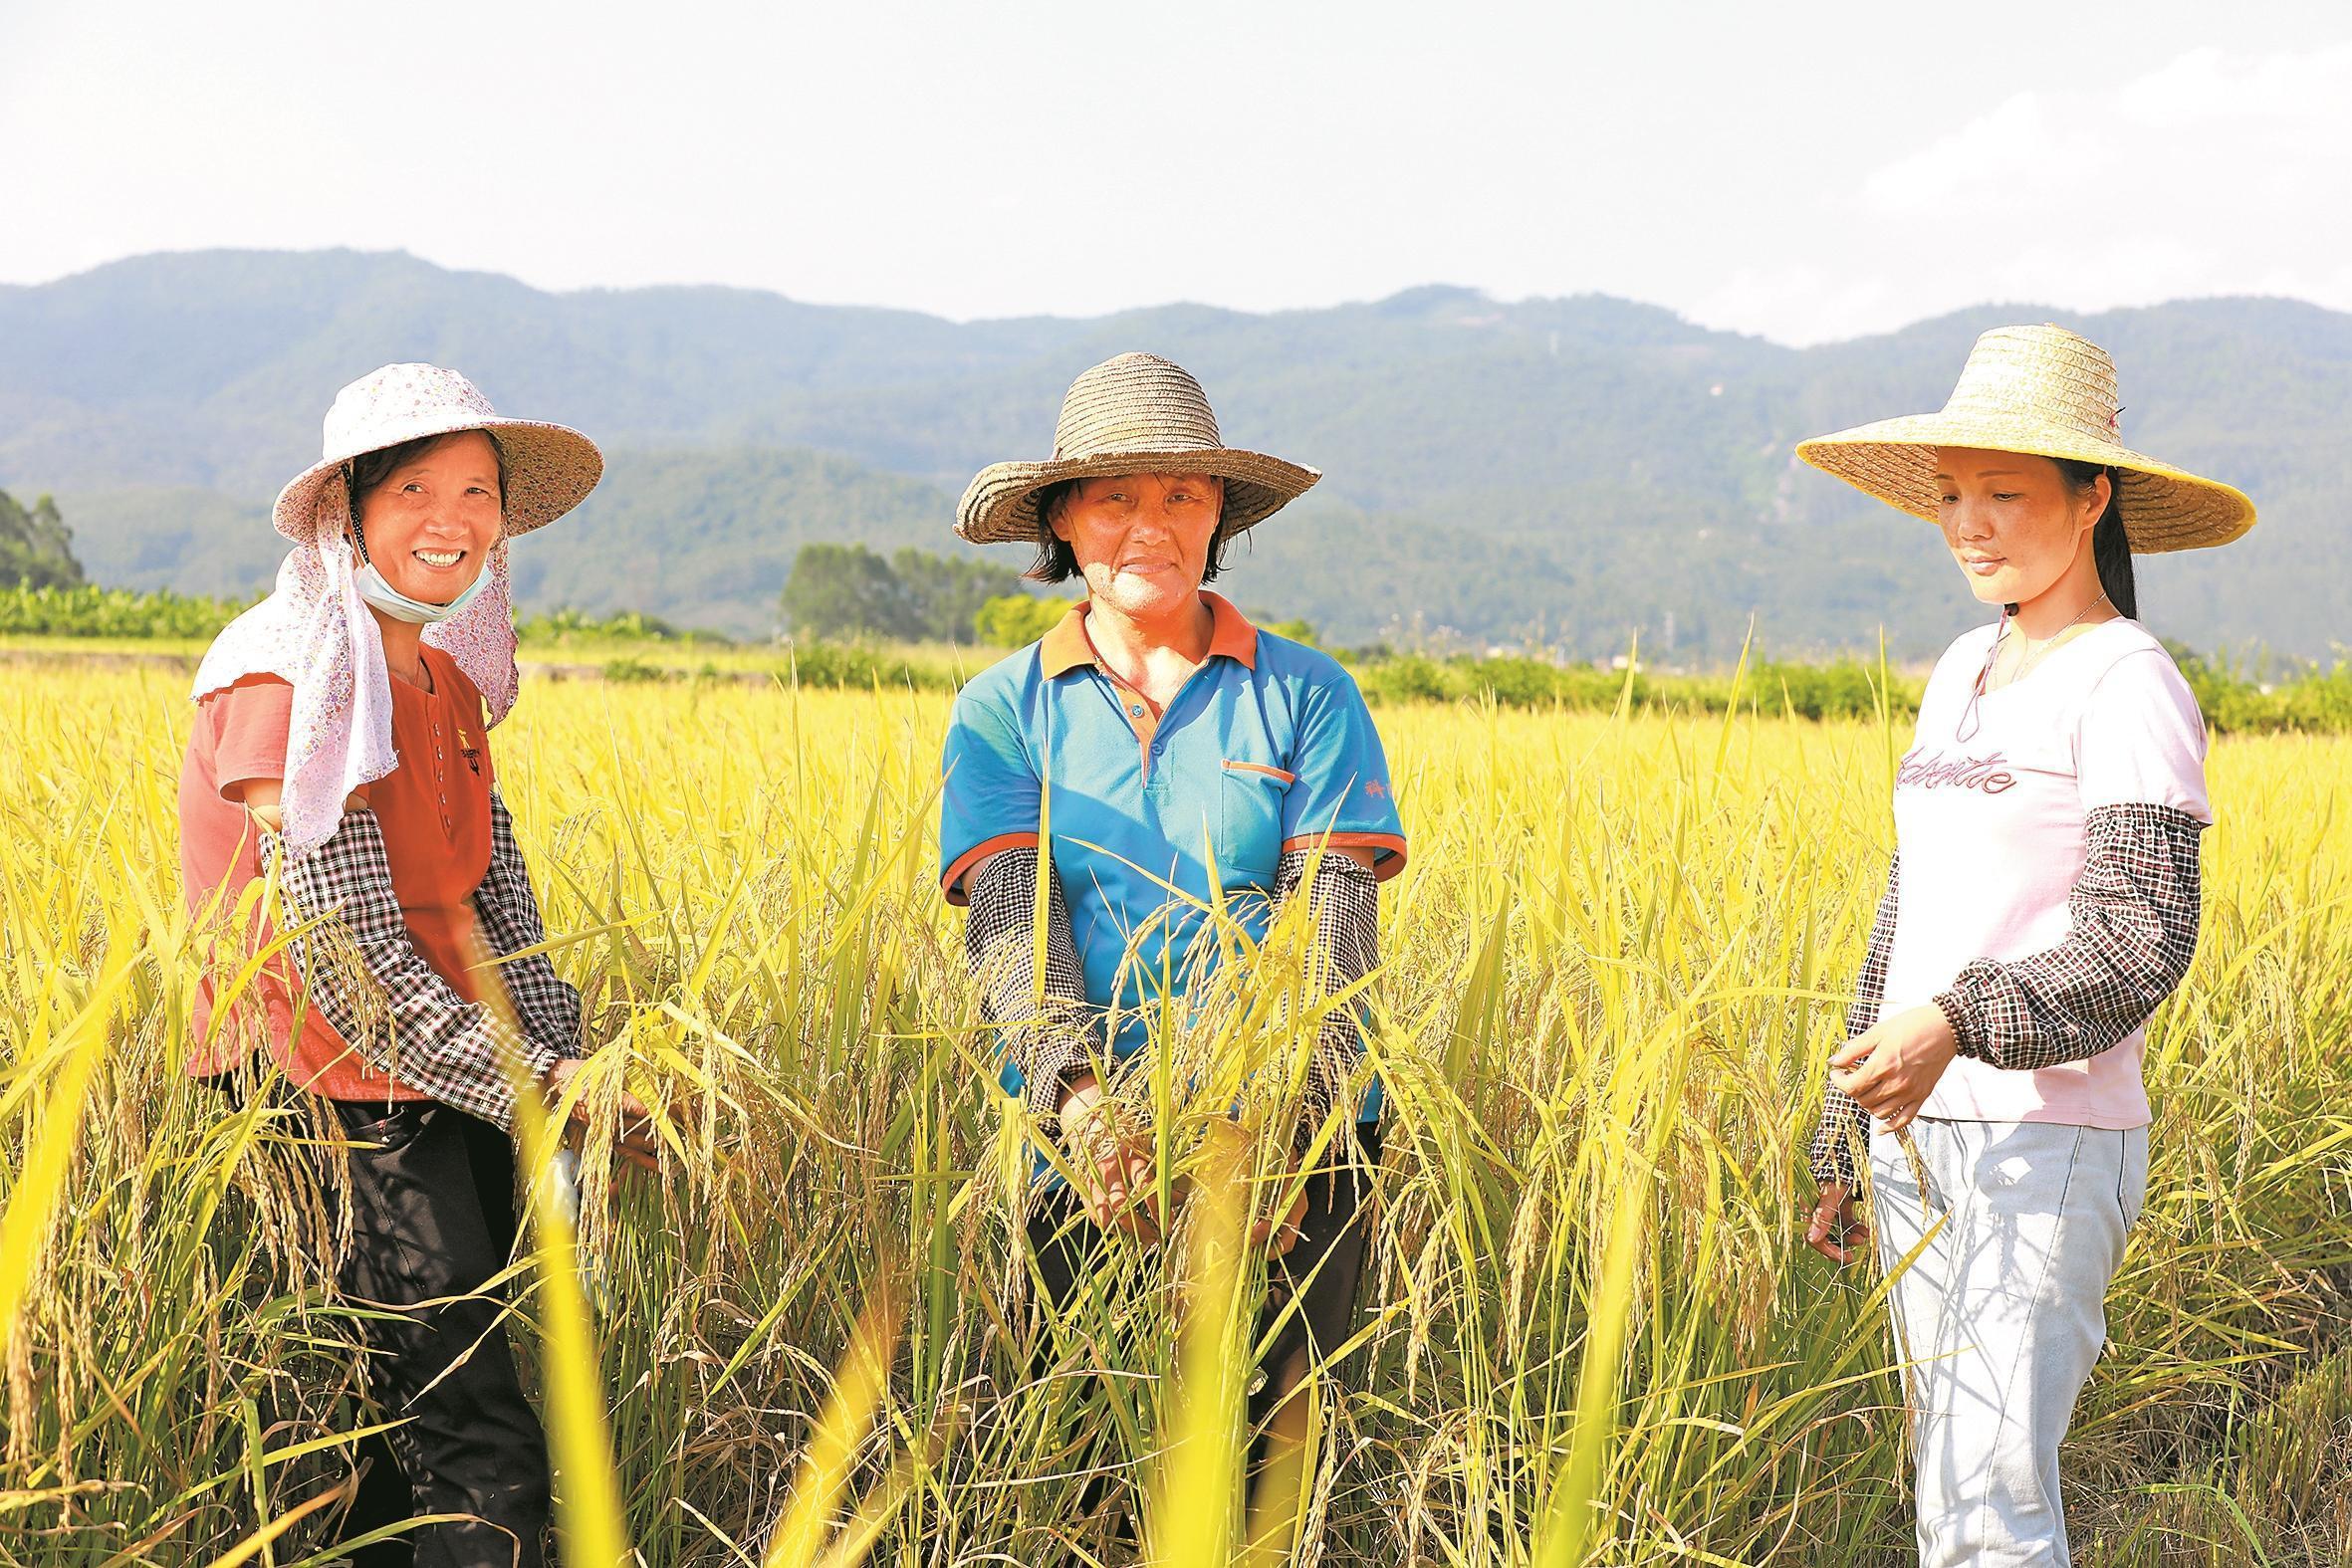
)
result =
(2206, 131)
(2210, 174)
(1806, 302)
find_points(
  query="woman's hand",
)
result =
(1279, 1236)
(633, 1138)
(1892, 1067)
(1277, 1233)
(1836, 1232)
(1112, 1160)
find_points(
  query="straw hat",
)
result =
(1135, 414)
(2046, 391)
(550, 469)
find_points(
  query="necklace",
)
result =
(2033, 655)
(1971, 718)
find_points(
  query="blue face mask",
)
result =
(381, 596)
(391, 601)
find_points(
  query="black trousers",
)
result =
(1324, 1269)
(432, 1198)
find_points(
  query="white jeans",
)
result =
(2000, 1316)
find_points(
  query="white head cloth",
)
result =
(314, 632)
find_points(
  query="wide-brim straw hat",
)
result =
(2040, 390)
(550, 468)
(1135, 414)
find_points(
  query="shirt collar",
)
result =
(1065, 648)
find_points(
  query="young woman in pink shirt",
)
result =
(2044, 900)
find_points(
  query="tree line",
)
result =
(36, 546)
(846, 591)
(838, 595)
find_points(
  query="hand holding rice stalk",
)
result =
(1889, 1070)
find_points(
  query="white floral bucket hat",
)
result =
(550, 468)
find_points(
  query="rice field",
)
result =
(1592, 1332)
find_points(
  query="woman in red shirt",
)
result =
(342, 738)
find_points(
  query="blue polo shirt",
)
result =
(1268, 747)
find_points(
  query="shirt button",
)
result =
(1135, 710)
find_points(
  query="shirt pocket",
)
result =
(1250, 820)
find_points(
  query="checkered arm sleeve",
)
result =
(2133, 916)
(546, 1005)
(365, 975)
(1844, 1129)
(1343, 904)
(1045, 1021)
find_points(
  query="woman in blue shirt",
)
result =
(1200, 770)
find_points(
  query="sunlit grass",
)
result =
(1592, 1332)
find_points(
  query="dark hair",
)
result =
(1057, 562)
(366, 474)
(2111, 547)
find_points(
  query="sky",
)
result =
(1803, 172)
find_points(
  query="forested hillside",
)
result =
(1572, 470)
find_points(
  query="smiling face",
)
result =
(2015, 523)
(1143, 539)
(431, 521)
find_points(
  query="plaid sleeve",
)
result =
(1344, 905)
(364, 974)
(1844, 1128)
(546, 1005)
(2133, 917)
(1044, 1023)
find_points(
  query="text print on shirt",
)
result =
(1926, 769)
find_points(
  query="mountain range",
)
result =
(1566, 470)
